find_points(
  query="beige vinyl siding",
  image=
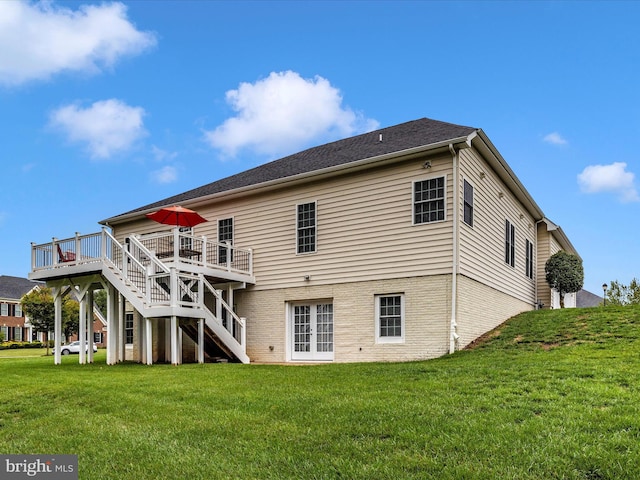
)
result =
(427, 313)
(547, 246)
(482, 247)
(474, 319)
(364, 230)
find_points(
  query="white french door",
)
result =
(311, 331)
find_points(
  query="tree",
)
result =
(38, 306)
(617, 293)
(634, 292)
(100, 301)
(564, 273)
(70, 317)
(620, 294)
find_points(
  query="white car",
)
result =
(74, 347)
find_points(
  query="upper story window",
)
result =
(306, 227)
(225, 234)
(186, 242)
(529, 259)
(4, 309)
(468, 203)
(428, 200)
(510, 243)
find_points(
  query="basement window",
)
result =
(389, 318)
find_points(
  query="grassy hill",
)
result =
(550, 394)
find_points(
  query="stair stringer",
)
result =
(137, 300)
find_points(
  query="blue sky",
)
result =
(108, 106)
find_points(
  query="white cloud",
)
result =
(107, 127)
(166, 174)
(161, 155)
(283, 113)
(554, 138)
(40, 39)
(609, 178)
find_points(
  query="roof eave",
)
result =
(560, 236)
(303, 177)
(482, 143)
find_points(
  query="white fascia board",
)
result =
(482, 143)
(560, 236)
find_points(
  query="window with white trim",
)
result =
(128, 328)
(4, 309)
(306, 227)
(529, 259)
(225, 235)
(510, 243)
(429, 200)
(389, 318)
(468, 203)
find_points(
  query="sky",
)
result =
(109, 106)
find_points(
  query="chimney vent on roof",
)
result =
(380, 138)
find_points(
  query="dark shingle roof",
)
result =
(15, 287)
(394, 139)
(585, 298)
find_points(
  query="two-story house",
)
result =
(14, 324)
(404, 243)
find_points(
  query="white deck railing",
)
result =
(167, 247)
(158, 280)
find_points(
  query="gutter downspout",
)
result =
(453, 326)
(538, 305)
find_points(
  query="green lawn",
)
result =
(23, 352)
(551, 395)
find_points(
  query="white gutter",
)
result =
(453, 336)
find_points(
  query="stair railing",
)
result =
(235, 325)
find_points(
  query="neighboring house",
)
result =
(585, 298)
(14, 324)
(405, 243)
(99, 330)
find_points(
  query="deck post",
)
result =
(148, 341)
(121, 321)
(243, 333)
(90, 306)
(139, 337)
(112, 329)
(167, 340)
(57, 329)
(201, 340)
(176, 244)
(174, 340)
(173, 288)
(82, 331)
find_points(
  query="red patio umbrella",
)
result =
(178, 216)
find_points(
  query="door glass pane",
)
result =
(324, 328)
(302, 328)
